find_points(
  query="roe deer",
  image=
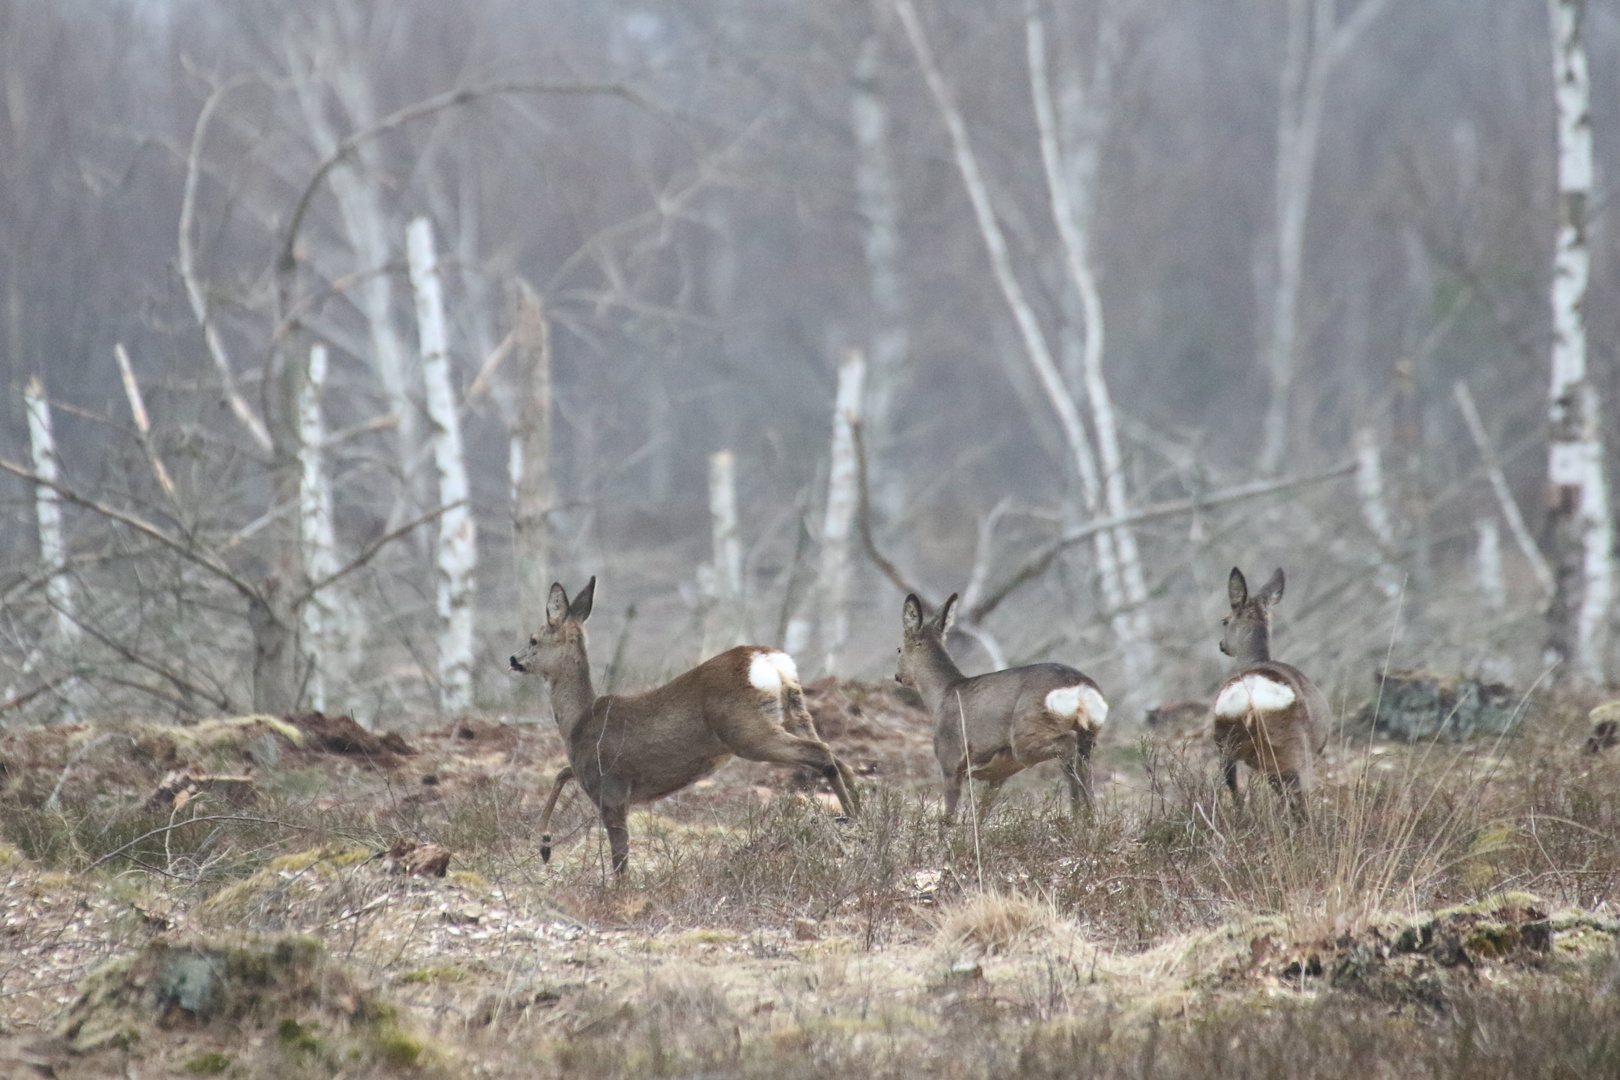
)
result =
(1013, 718)
(1267, 714)
(626, 749)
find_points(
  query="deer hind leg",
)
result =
(1077, 771)
(1229, 767)
(953, 792)
(1289, 785)
(613, 820)
(565, 775)
(992, 792)
(767, 742)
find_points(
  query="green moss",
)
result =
(210, 1064)
(396, 1047)
(444, 973)
(298, 1038)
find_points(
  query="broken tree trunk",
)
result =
(458, 535)
(48, 509)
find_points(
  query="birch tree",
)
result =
(529, 456)
(48, 509)
(1316, 41)
(889, 339)
(333, 632)
(1129, 625)
(457, 561)
(1579, 522)
(843, 494)
(721, 581)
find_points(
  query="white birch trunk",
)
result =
(722, 580)
(843, 496)
(1370, 494)
(1070, 178)
(1582, 528)
(368, 229)
(1488, 564)
(529, 458)
(1316, 41)
(890, 341)
(458, 535)
(334, 630)
(1036, 348)
(48, 509)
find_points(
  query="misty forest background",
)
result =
(1241, 243)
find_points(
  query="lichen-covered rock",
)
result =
(1417, 705)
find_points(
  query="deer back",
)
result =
(1022, 711)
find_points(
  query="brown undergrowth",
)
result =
(1433, 889)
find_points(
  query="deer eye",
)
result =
(534, 639)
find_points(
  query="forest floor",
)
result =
(261, 897)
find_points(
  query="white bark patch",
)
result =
(1252, 693)
(764, 674)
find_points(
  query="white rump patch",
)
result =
(1078, 702)
(1095, 704)
(768, 670)
(1253, 693)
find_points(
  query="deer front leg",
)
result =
(613, 820)
(1288, 785)
(566, 774)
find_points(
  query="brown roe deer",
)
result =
(1267, 714)
(626, 749)
(1012, 719)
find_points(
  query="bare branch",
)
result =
(1037, 564)
(1499, 484)
(143, 425)
(195, 292)
(371, 551)
(863, 522)
(202, 557)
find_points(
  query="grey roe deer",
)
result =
(626, 749)
(1267, 714)
(1013, 718)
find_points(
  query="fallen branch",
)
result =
(196, 821)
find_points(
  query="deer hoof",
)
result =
(545, 849)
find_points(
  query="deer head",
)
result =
(562, 640)
(923, 638)
(1246, 633)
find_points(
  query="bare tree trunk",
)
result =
(458, 532)
(1316, 42)
(1071, 172)
(1579, 522)
(530, 457)
(48, 509)
(333, 633)
(1375, 508)
(721, 581)
(890, 342)
(1488, 564)
(843, 495)
(1499, 485)
(368, 227)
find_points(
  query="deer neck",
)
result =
(572, 695)
(1255, 649)
(935, 673)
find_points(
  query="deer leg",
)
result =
(1077, 771)
(613, 820)
(1288, 785)
(566, 774)
(1229, 769)
(992, 791)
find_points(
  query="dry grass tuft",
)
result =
(991, 923)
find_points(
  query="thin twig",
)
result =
(863, 521)
(1499, 484)
(197, 821)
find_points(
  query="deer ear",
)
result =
(1237, 590)
(1273, 590)
(911, 615)
(580, 609)
(556, 605)
(947, 614)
